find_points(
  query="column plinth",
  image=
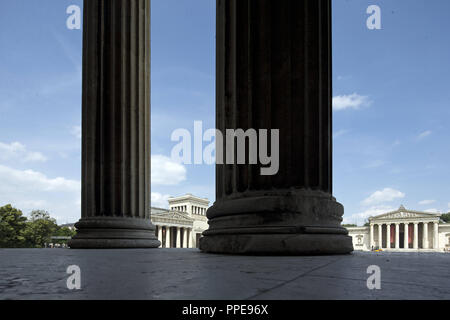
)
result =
(115, 191)
(274, 72)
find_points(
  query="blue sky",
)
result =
(391, 106)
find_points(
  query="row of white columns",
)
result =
(425, 242)
(198, 210)
(178, 243)
(179, 208)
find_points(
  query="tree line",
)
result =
(19, 231)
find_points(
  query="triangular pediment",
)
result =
(179, 216)
(404, 213)
(167, 214)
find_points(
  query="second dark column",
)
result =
(274, 72)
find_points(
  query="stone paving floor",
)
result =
(173, 274)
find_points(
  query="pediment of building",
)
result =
(171, 215)
(402, 213)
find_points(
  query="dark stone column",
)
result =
(274, 72)
(116, 127)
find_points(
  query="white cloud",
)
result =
(165, 171)
(16, 151)
(433, 210)
(339, 133)
(28, 190)
(426, 202)
(344, 77)
(29, 180)
(424, 135)
(31, 204)
(369, 212)
(352, 101)
(449, 205)
(381, 196)
(160, 200)
(76, 131)
(34, 157)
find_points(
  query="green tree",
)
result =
(349, 225)
(12, 226)
(64, 232)
(446, 217)
(40, 229)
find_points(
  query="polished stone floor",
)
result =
(189, 274)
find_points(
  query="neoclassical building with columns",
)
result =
(403, 230)
(181, 225)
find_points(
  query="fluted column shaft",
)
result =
(435, 235)
(372, 236)
(406, 236)
(116, 126)
(168, 238)
(178, 235)
(188, 238)
(185, 238)
(416, 236)
(425, 235)
(274, 73)
(388, 236)
(160, 233)
(397, 236)
(380, 236)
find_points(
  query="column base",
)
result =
(114, 233)
(277, 244)
(290, 222)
